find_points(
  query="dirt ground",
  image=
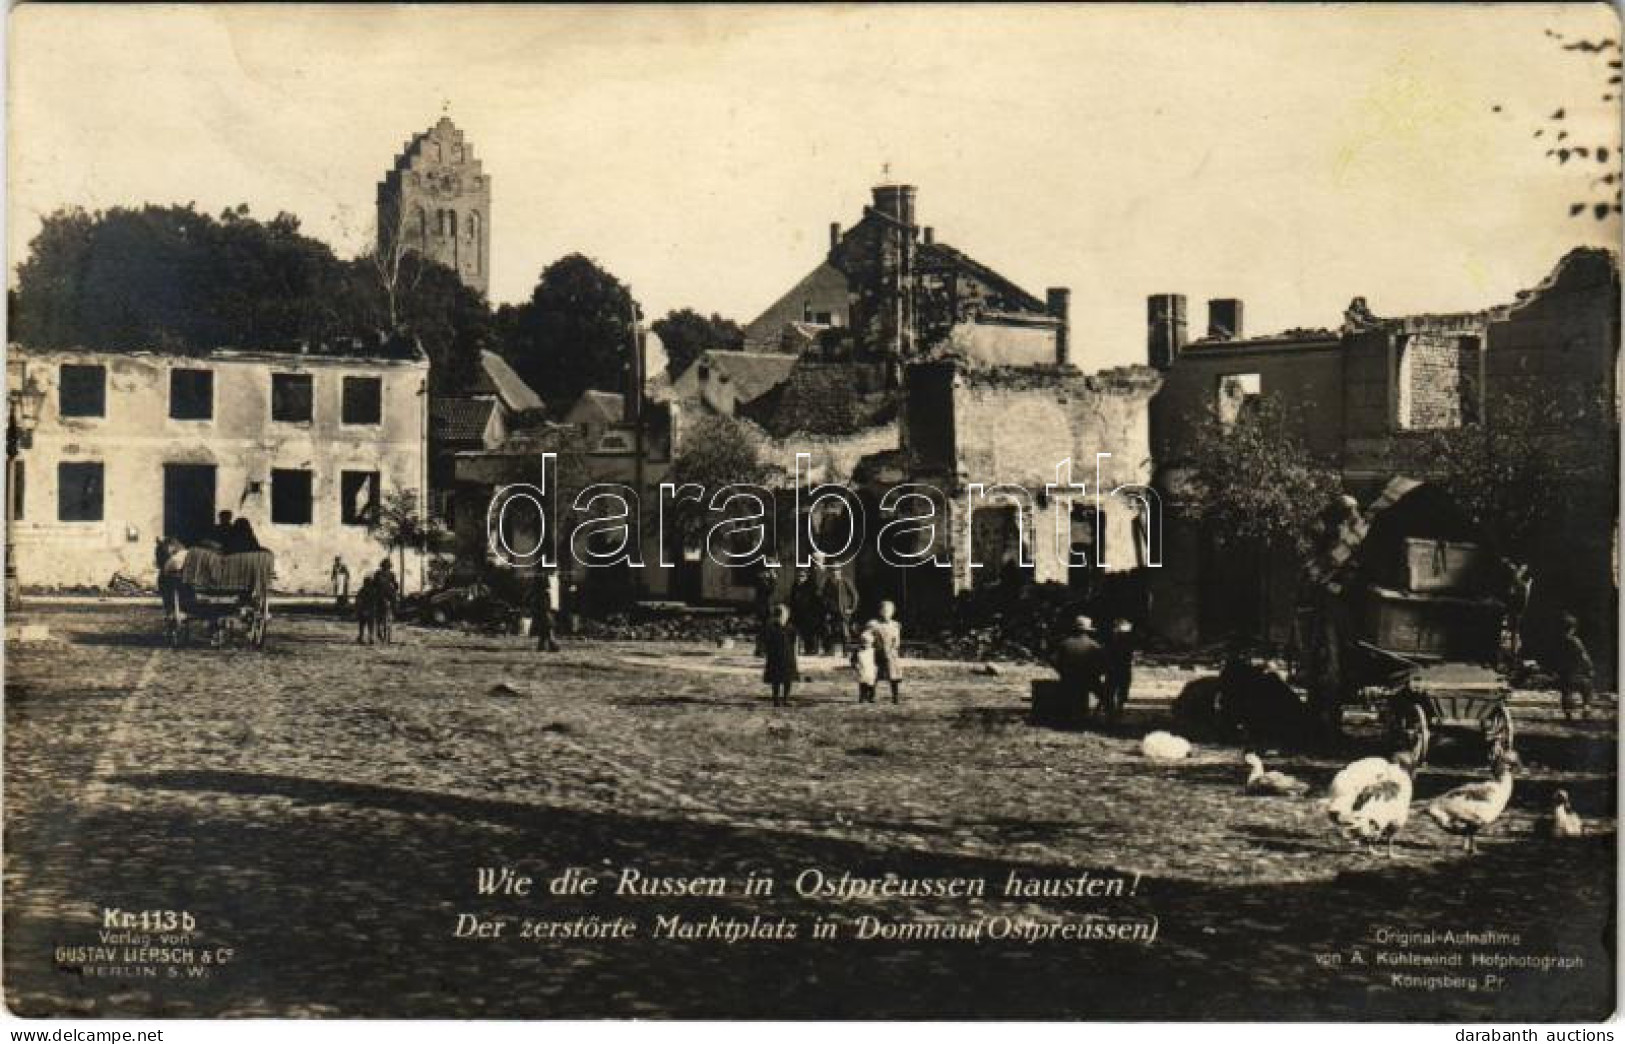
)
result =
(321, 810)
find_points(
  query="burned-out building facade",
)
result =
(1368, 397)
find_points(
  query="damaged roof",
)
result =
(940, 255)
(459, 420)
(752, 374)
(827, 399)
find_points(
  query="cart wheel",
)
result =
(439, 616)
(1498, 731)
(1414, 725)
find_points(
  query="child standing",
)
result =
(888, 634)
(779, 650)
(863, 661)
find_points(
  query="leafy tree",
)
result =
(686, 334)
(1254, 479)
(1253, 482)
(1527, 465)
(175, 278)
(573, 334)
(400, 526)
(1597, 162)
(451, 321)
(716, 452)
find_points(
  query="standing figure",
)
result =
(807, 612)
(366, 610)
(780, 671)
(544, 597)
(1575, 673)
(864, 663)
(888, 632)
(766, 585)
(1519, 585)
(840, 601)
(1082, 664)
(340, 575)
(388, 593)
(1120, 641)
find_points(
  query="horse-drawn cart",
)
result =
(229, 594)
(1406, 623)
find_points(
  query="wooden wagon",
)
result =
(1407, 622)
(229, 594)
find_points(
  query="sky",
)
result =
(1291, 156)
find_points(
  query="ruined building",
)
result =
(136, 445)
(917, 364)
(1368, 394)
(436, 201)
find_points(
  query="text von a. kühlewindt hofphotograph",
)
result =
(919, 512)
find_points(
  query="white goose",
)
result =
(1271, 782)
(1165, 746)
(1370, 800)
(1468, 810)
(1565, 821)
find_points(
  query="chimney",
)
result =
(1224, 318)
(930, 235)
(834, 234)
(1058, 302)
(1165, 317)
(896, 202)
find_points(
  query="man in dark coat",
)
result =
(807, 612)
(387, 594)
(840, 600)
(1082, 664)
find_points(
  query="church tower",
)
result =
(436, 200)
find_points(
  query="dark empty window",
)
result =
(79, 492)
(292, 397)
(363, 400)
(358, 491)
(290, 497)
(84, 391)
(191, 394)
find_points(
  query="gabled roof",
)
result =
(753, 374)
(459, 420)
(496, 377)
(596, 408)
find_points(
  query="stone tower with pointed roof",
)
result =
(436, 200)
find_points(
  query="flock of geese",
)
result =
(1369, 801)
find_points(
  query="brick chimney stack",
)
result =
(1165, 319)
(929, 234)
(1224, 318)
(834, 234)
(896, 202)
(1058, 303)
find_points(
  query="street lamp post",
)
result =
(22, 414)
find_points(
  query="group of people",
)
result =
(375, 603)
(877, 658)
(231, 535)
(1097, 667)
(821, 604)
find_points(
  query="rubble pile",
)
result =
(991, 624)
(642, 625)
